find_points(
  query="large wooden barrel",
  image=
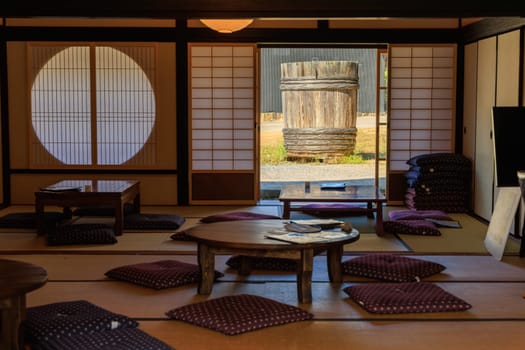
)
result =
(319, 108)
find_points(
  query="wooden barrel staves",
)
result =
(319, 108)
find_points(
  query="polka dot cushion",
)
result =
(118, 339)
(411, 227)
(237, 314)
(238, 215)
(72, 318)
(264, 263)
(153, 221)
(390, 267)
(159, 274)
(418, 215)
(409, 297)
(439, 159)
(82, 234)
(331, 209)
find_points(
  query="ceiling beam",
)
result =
(188, 9)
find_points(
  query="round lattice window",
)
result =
(94, 110)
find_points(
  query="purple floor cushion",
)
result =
(418, 215)
(160, 274)
(82, 234)
(72, 318)
(263, 263)
(28, 220)
(238, 215)
(237, 314)
(411, 227)
(390, 267)
(153, 221)
(409, 297)
(332, 209)
(118, 339)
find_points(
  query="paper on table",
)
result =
(296, 237)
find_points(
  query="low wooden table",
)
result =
(370, 195)
(16, 280)
(247, 238)
(113, 193)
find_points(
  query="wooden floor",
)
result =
(493, 288)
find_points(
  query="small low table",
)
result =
(71, 193)
(16, 280)
(374, 199)
(247, 238)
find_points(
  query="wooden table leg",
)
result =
(304, 276)
(40, 221)
(333, 262)
(136, 204)
(207, 268)
(370, 210)
(13, 312)
(246, 265)
(379, 218)
(286, 210)
(119, 218)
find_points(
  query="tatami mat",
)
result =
(376, 335)
(151, 242)
(493, 288)
(65, 267)
(161, 243)
(328, 299)
(469, 239)
(135, 241)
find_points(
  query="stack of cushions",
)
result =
(232, 216)
(418, 215)
(238, 314)
(439, 181)
(391, 267)
(404, 292)
(414, 222)
(158, 275)
(82, 325)
(81, 234)
(411, 227)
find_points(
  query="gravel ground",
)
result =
(317, 172)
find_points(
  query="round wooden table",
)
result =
(16, 279)
(247, 238)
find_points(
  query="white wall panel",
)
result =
(422, 91)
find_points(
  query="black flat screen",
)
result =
(509, 144)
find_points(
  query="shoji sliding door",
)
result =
(223, 162)
(422, 113)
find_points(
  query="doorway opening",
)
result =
(364, 160)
